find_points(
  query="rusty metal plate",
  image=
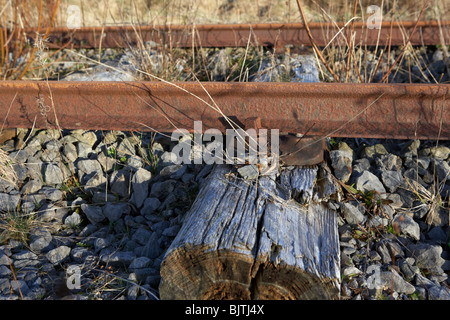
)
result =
(235, 35)
(304, 151)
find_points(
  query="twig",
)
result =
(407, 42)
(128, 281)
(349, 39)
(308, 31)
(12, 271)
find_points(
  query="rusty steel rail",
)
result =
(238, 35)
(399, 111)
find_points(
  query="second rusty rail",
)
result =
(238, 35)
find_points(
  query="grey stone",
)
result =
(350, 271)
(133, 292)
(9, 202)
(47, 135)
(434, 291)
(3, 258)
(384, 253)
(101, 243)
(135, 162)
(440, 152)
(58, 255)
(70, 152)
(88, 137)
(48, 156)
(440, 217)
(88, 230)
(187, 177)
(407, 225)
(168, 158)
(438, 235)
(93, 213)
(171, 231)
(249, 172)
(427, 256)
(21, 171)
(114, 211)
(51, 194)
(24, 254)
(152, 248)
(141, 236)
(172, 169)
(413, 175)
(341, 161)
(96, 180)
(389, 162)
(4, 272)
(40, 240)
(102, 197)
(140, 184)
(82, 254)
(52, 213)
(72, 220)
(391, 180)
(352, 213)
(31, 186)
(53, 145)
(420, 209)
(20, 286)
(407, 197)
(6, 186)
(108, 164)
(359, 166)
(150, 205)
(408, 268)
(375, 151)
(34, 166)
(19, 156)
(139, 263)
(116, 258)
(163, 188)
(395, 282)
(304, 68)
(442, 170)
(53, 174)
(367, 181)
(410, 149)
(380, 280)
(160, 226)
(83, 150)
(87, 166)
(126, 147)
(120, 182)
(101, 73)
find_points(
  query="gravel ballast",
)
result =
(92, 213)
(115, 221)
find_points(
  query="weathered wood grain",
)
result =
(252, 240)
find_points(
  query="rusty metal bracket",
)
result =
(294, 150)
(301, 151)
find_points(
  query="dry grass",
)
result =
(233, 11)
(18, 52)
(7, 172)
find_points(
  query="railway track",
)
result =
(318, 110)
(397, 111)
(240, 35)
(400, 111)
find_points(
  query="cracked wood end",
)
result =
(251, 240)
